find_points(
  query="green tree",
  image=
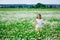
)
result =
(50, 6)
(12, 6)
(20, 6)
(32, 6)
(39, 5)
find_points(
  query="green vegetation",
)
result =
(29, 9)
(39, 5)
(18, 25)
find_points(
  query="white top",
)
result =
(39, 23)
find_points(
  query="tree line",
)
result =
(38, 5)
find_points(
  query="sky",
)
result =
(29, 1)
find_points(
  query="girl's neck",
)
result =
(38, 18)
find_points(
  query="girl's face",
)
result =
(38, 16)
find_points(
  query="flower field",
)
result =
(17, 25)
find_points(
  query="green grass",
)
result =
(29, 9)
(14, 27)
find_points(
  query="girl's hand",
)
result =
(42, 23)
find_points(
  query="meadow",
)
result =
(17, 25)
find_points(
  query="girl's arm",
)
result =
(42, 22)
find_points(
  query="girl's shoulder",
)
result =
(39, 19)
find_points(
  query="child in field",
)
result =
(38, 23)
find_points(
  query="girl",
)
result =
(38, 23)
